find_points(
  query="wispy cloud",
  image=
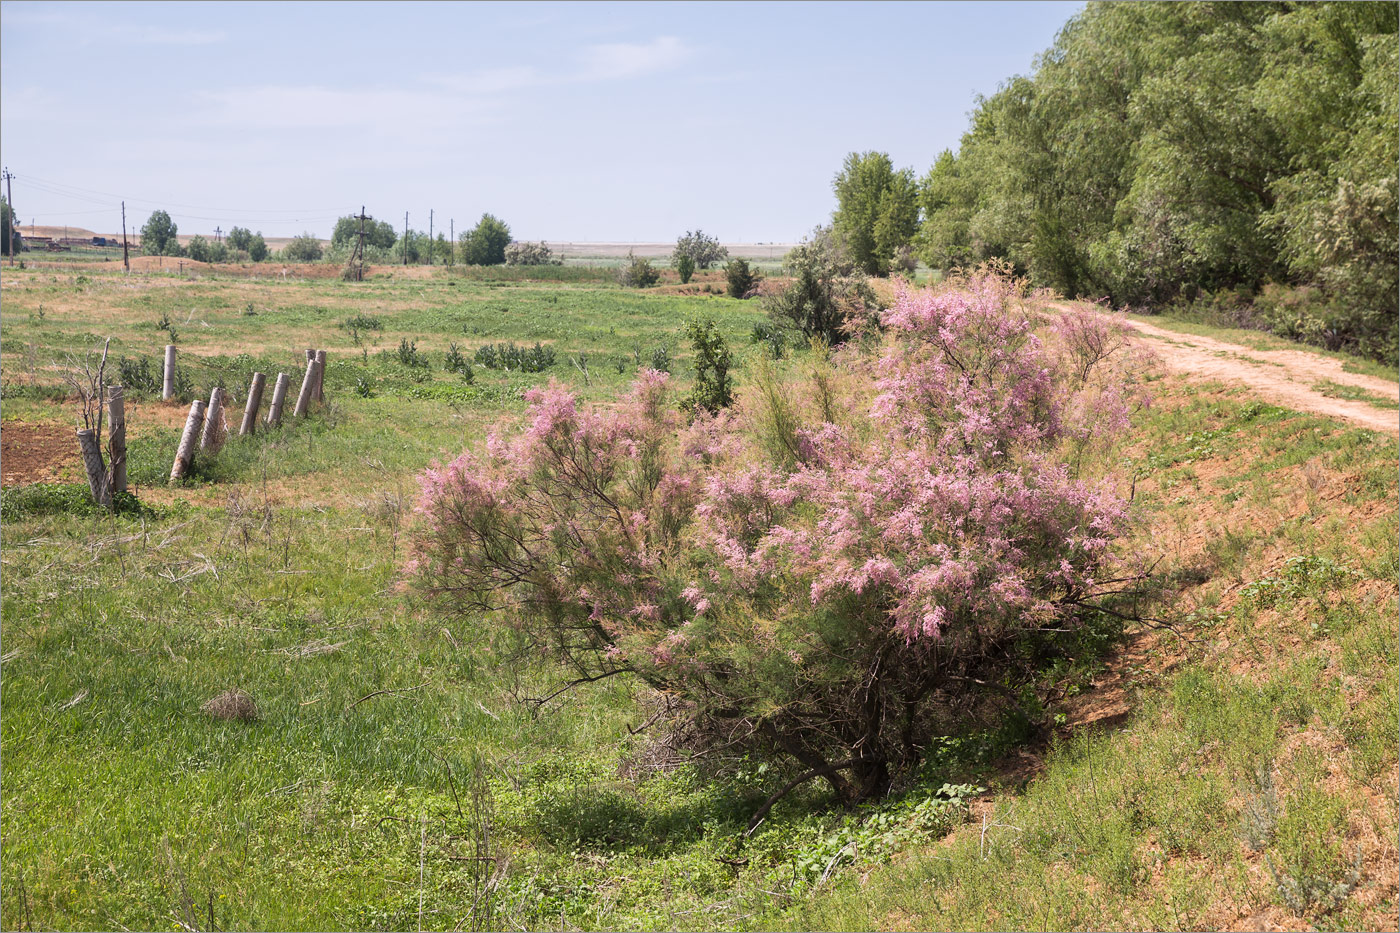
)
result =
(87, 29)
(289, 107)
(615, 61)
(159, 35)
(619, 60)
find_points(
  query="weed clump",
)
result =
(637, 273)
(232, 705)
(508, 356)
(19, 502)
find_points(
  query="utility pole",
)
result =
(14, 218)
(358, 260)
(218, 235)
(126, 256)
(452, 240)
(405, 237)
(430, 237)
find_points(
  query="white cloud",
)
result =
(618, 60)
(88, 30)
(289, 107)
(492, 80)
(595, 63)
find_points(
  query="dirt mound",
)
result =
(36, 453)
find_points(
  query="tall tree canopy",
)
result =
(1167, 149)
(877, 209)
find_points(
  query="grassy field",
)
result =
(1237, 769)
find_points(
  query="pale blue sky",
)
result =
(574, 121)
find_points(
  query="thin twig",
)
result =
(382, 692)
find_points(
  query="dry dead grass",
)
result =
(232, 705)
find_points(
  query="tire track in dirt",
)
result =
(1283, 377)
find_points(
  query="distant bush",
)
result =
(739, 278)
(158, 233)
(257, 248)
(485, 245)
(508, 356)
(637, 273)
(198, 249)
(685, 266)
(530, 254)
(703, 250)
(305, 248)
(827, 293)
(378, 233)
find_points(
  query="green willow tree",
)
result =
(877, 209)
(1165, 151)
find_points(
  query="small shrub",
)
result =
(409, 356)
(454, 362)
(685, 266)
(138, 375)
(904, 261)
(362, 322)
(714, 389)
(530, 254)
(771, 337)
(305, 248)
(637, 273)
(740, 278)
(828, 293)
(508, 356)
(661, 360)
(363, 387)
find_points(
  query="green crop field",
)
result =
(1241, 762)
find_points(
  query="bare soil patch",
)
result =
(1283, 377)
(36, 453)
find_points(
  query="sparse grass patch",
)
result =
(1353, 393)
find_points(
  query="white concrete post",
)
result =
(184, 455)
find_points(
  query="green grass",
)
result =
(389, 735)
(1353, 393)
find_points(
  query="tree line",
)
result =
(488, 243)
(1236, 159)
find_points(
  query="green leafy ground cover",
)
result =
(395, 778)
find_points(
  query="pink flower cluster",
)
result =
(949, 506)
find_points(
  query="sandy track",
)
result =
(1283, 377)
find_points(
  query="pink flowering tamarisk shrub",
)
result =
(836, 598)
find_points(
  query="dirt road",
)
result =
(1289, 378)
